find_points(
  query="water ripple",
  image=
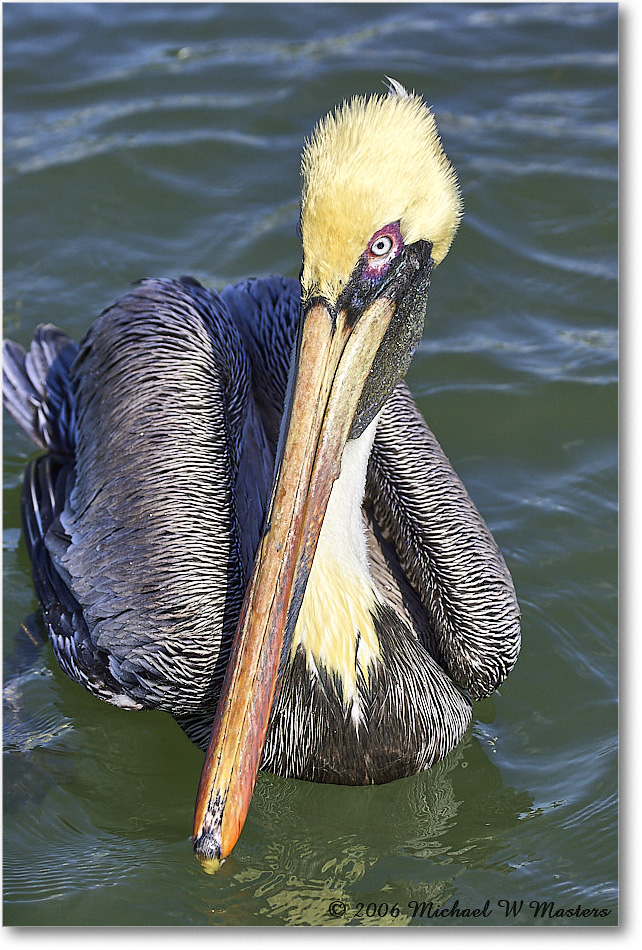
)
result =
(164, 138)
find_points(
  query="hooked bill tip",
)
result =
(207, 848)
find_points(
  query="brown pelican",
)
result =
(242, 510)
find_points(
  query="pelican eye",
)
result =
(383, 245)
(382, 248)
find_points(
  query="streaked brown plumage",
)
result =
(146, 516)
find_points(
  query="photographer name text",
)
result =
(427, 910)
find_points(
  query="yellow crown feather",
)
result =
(371, 162)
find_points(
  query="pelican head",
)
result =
(374, 164)
(380, 206)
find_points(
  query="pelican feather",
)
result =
(242, 518)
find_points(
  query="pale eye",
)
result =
(382, 246)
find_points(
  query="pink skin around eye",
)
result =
(378, 264)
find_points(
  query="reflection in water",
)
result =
(27, 725)
(326, 843)
(139, 142)
(304, 846)
(21, 664)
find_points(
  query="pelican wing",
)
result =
(143, 522)
(444, 549)
(267, 315)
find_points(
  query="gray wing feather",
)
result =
(444, 548)
(149, 537)
(143, 521)
(135, 533)
(37, 389)
(267, 315)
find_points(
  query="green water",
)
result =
(159, 139)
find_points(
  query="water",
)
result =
(163, 139)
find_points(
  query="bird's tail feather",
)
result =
(47, 484)
(37, 388)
